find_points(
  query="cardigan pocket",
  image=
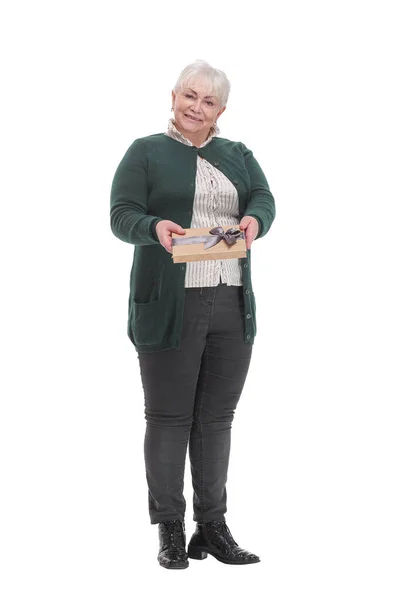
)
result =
(148, 284)
(146, 321)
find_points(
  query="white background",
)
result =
(314, 475)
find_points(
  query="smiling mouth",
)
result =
(193, 118)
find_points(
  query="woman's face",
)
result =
(195, 111)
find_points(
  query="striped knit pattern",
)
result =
(215, 203)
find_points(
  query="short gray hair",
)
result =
(218, 83)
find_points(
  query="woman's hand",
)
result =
(250, 227)
(164, 230)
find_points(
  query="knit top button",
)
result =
(216, 163)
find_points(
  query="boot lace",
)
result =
(174, 534)
(223, 528)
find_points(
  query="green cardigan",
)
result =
(155, 180)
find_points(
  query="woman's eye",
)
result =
(209, 102)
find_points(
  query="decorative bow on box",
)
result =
(211, 238)
(217, 234)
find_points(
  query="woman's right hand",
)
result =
(164, 229)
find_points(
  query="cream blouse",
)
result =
(215, 203)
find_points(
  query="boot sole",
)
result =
(200, 553)
(180, 565)
(174, 566)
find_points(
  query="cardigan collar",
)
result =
(177, 135)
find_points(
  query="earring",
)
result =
(172, 108)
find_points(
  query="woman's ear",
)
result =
(221, 111)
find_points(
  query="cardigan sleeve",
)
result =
(262, 203)
(128, 202)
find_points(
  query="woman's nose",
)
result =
(196, 105)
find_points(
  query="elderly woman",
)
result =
(192, 324)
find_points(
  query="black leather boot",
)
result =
(172, 553)
(215, 538)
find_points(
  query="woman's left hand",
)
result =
(250, 227)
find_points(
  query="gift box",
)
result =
(209, 243)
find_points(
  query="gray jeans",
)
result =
(190, 398)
